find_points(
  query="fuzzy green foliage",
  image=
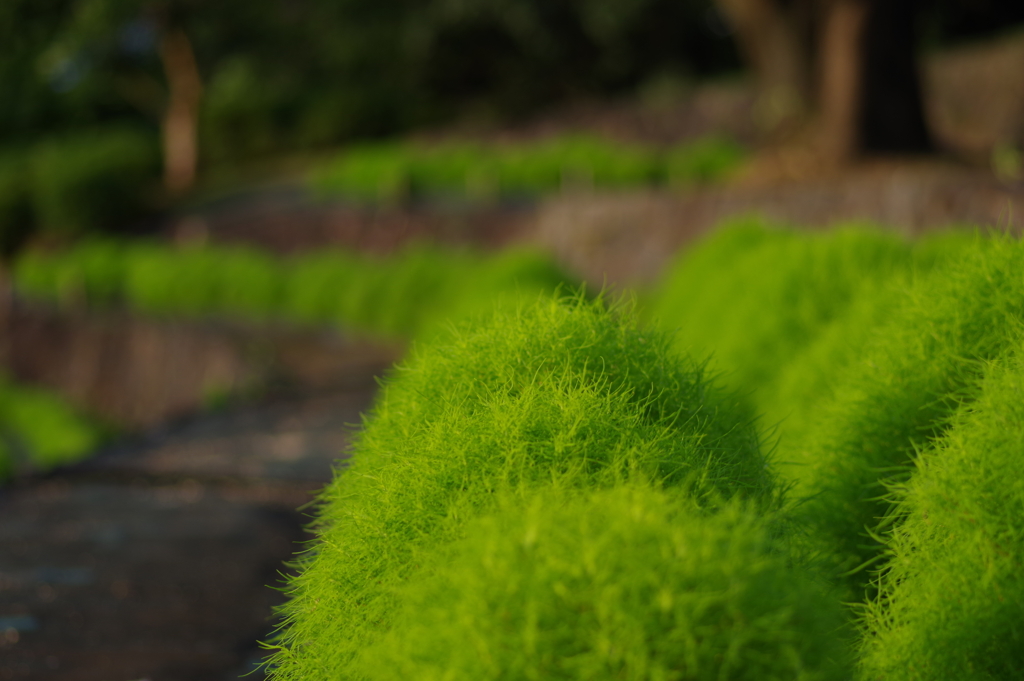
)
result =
(628, 583)
(709, 159)
(914, 371)
(754, 295)
(89, 181)
(562, 392)
(952, 596)
(389, 171)
(856, 344)
(808, 379)
(409, 295)
(38, 431)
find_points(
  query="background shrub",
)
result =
(709, 159)
(38, 431)
(389, 171)
(411, 294)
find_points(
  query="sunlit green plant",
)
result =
(855, 344)
(953, 592)
(755, 294)
(561, 392)
(627, 583)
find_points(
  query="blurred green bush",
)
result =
(854, 342)
(411, 294)
(39, 431)
(388, 172)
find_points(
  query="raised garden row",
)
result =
(399, 170)
(558, 492)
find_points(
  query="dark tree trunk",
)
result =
(859, 54)
(891, 106)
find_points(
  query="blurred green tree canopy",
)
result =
(302, 73)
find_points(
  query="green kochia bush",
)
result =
(561, 393)
(858, 345)
(39, 431)
(783, 311)
(952, 596)
(755, 295)
(913, 372)
(627, 583)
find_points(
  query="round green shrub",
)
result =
(562, 392)
(627, 583)
(953, 593)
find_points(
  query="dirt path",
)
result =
(154, 560)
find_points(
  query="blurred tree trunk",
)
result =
(841, 79)
(843, 70)
(773, 37)
(181, 117)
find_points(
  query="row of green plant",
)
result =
(75, 183)
(392, 171)
(410, 294)
(39, 431)
(890, 373)
(559, 491)
(554, 493)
